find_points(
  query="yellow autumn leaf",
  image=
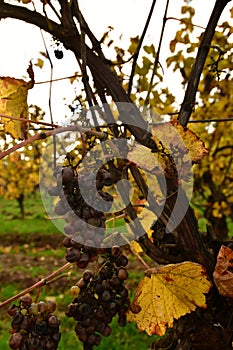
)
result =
(143, 157)
(167, 293)
(13, 102)
(135, 247)
(39, 63)
(179, 139)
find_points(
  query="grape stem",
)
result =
(39, 284)
(142, 261)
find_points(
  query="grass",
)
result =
(25, 250)
(35, 217)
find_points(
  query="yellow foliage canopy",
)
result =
(167, 293)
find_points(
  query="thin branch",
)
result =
(182, 20)
(211, 120)
(44, 135)
(190, 94)
(136, 54)
(156, 63)
(78, 14)
(29, 121)
(223, 148)
(58, 79)
(39, 284)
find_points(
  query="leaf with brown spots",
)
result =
(167, 293)
(223, 275)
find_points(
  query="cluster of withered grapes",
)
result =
(85, 228)
(34, 326)
(100, 297)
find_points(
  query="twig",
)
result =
(39, 284)
(44, 135)
(29, 121)
(182, 20)
(50, 98)
(136, 54)
(58, 79)
(157, 56)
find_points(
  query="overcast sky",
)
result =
(21, 42)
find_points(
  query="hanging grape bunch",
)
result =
(85, 228)
(34, 326)
(100, 297)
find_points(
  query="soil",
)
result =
(22, 276)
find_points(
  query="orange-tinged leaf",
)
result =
(167, 293)
(223, 276)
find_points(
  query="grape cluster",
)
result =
(100, 297)
(85, 225)
(34, 326)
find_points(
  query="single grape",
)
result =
(106, 296)
(73, 255)
(87, 275)
(15, 341)
(26, 300)
(51, 305)
(122, 260)
(53, 321)
(58, 54)
(122, 274)
(107, 331)
(67, 175)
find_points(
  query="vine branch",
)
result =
(136, 54)
(39, 284)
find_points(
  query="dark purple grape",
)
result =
(73, 255)
(116, 251)
(83, 261)
(58, 54)
(26, 300)
(87, 275)
(122, 321)
(54, 191)
(60, 208)
(53, 321)
(122, 274)
(122, 260)
(67, 175)
(12, 310)
(106, 296)
(40, 328)
(107, 331)
(15, 340)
